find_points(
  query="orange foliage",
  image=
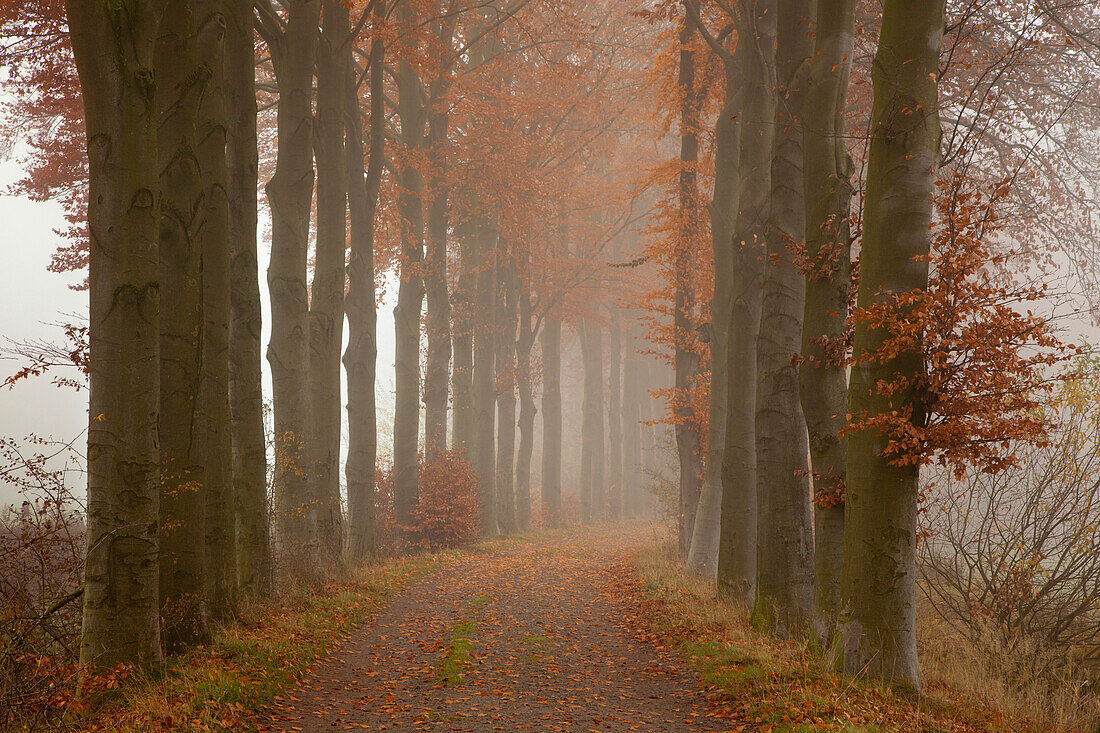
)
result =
(446, 514)
(987, 359)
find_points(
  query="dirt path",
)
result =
(528, 636)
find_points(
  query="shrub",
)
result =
(447, 513)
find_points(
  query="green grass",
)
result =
(459, 652)
(452, 664)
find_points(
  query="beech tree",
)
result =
(183, 420)
(823, 383)
(292, 43)
(878, 614)
(785, 558)
(114, 45)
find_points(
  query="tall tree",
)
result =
(114, 47)
(785, 564)
(525, 386)
(703, 553)
(437, 294)
(326, 309)
(615, 420)
(246, 401)
(686, 357)
(361, 356)
(737, 549)
(483, 455)
(182, 426)
(410, 290)
(550, 476)
(507, 304)
(593, 455)
(878, 622)
(822, 375)
(632, 437)
(220, 547)
(293, 46)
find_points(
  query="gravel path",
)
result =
(526, 636)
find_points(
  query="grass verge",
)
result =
(253, 662)
(781, 687)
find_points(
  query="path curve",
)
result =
(529, 635)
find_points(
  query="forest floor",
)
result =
(590, 630)
(595, 629)
(533, 634)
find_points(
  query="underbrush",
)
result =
(1027, 678)
(784, 687)
(249, 665)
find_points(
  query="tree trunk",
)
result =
(437, 374)
(686, 358)
(822, 377)
(360, 359)
(290, 193)
(507, 298)
(462, 372)
(878, 618)
(326, 312)
(785, 555)
(593, 467)
(246, 401)
(737, 549)
(632, 435)
(183, 608)
(615, 418)
(702, 557)
(221, 562)
(524, 345)
(114, 48)
(484, 389)
(410, 290)
(550, 477)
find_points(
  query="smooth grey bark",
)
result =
(290, 193)
(361, 356)
(438, 302)
(220, 564)
(686, 358)
(246, 404)
(410, 290)
(183, 608)
(484, 389)
(507, 303)
(113, 44)
(550, 477)
(822, 375)
(615, 421)
(785, 549)
(462, 370)
(593, 454)
(326, 308)
(524, 344)
(878, 613)
(737, 549)
(702, 556)
(632, 438)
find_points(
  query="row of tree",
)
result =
(528, 176)
(472, 149)
(835, 349)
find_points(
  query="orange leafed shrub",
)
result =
(446, 514)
